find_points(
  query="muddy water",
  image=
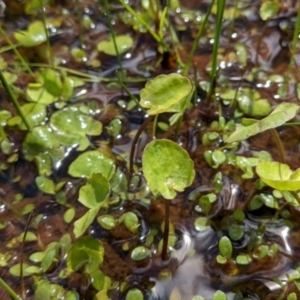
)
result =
(192, 269)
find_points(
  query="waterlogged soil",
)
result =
(192, 268)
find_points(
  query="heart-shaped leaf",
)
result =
(167, 168)
(33, 36)
(278, 176)
(95, 191)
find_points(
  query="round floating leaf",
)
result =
(69, 215)
(201, 223)
(134, 294)
(166, 93)
(45, 185)
(90, 162)
(140, 253)
(87, 252)
(243, 259)
(278, 176)
(124, 43)
(33, 36)
(15, 270)
(167, 168)
(39, 140)
(235, 232)
(225, 247)
(35, 113)
(219, 295)
(95, 191)
(269, 9)
(70, 127)
(131, 221)
(107, 221)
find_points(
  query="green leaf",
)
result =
(278, 176)
(37, 93)
(225, 247)
(280, 115)
(90, 162)
(94, 192)
(39, 140)
(166, 93)
(69, 215)
(107, 221)
(140, 253)
(201, 223)
(124, 43)
(134, 294)
(35, 113)
(131, 221)
(70, 127)
(269, 9)
(82, 224)
(86, 252)
(219, 295)
(45, 185)
(243, 259)
(167, 168)
(235, 231)
(52, 82)
(33, 36)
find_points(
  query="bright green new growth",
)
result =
(278, 176)
(167, 168)
(33, 36)
(92, 195)
(167, 93)
(280, 115)
(86, 252)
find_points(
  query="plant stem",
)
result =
(279, 145)
(128, 92)
(113, 36)
(17, 53)
(295, 40)
(154, 126)
(196, 41)
(220, 12)
(2, 133)
(164, 252)
(14, 100)
(149, 29)
(133, 146)
(46, 32)
(22, 254)
(78, 12)
(10, 291)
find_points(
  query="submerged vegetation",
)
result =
(149, 150)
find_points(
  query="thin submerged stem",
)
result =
(113, 36)
(47, 33)
(16, 52)
(154, 127)
(133, 146)
(278, 145)
(196, 41)
(14, 100)
(164, 252)
(78, 12)
(220, 12)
